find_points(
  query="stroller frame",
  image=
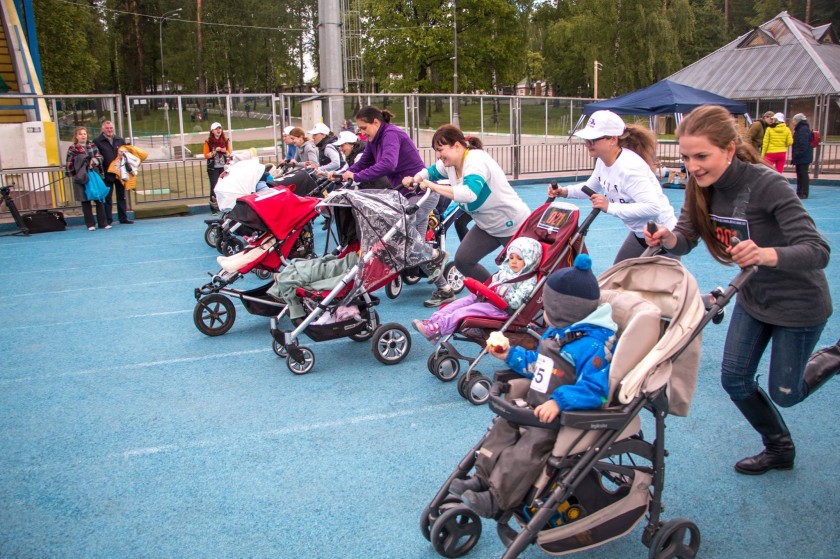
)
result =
(454, 529)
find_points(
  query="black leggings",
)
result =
(476, 245)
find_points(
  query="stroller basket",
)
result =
(258, 307)
(335, 330)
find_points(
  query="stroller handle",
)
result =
(412, 209)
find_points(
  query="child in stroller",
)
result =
(513, 283)
(569, 371)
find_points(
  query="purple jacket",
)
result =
(390, 154)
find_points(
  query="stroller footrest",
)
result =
(596, 420)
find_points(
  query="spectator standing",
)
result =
(758, 128)
(803, 154)
(108, 143)
(777, 138)
(82, 157)
(216, 151)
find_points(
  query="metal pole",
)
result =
(455, 109)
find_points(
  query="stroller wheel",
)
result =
(212, 234)
(462, 384)
(456, 531)
(214, 314)
(230, 246)
(393, 289)
(430, 514)
(370, 328)
(410, 277)
(477, 389)
(262, 274)
(676, 539)
(430, 362)
(305, 362)
(391, 343)
(279, 350)
(454, 277)
(446, 368)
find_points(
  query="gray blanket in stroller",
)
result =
(321, 274)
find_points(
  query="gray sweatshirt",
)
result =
(794, 293)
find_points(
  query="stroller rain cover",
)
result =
(375, 213)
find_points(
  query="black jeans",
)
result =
(803, 181)
(213, 175)
(122, 206)
(87, 211)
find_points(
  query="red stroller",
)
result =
(555, 226)
(282, 217)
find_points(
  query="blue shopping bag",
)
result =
(96, 189)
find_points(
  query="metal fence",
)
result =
(526, 135)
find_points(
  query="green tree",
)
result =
(67, 37)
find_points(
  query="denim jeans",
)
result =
(746, 341)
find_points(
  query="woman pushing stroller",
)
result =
(732, 193)
(569, 371)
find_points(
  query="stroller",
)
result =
(378, 221)
(602, 476)
(242, 178)
(555, 225)
(283, 221)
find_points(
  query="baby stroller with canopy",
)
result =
(379, 221)
(602, 476)
(283, 222)
(555, 226)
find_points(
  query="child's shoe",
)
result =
(427, 329)
(481, 503)
(460, 486)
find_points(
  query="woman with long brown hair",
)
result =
(216, 151)
(786, 304)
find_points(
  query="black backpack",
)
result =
(323, 159)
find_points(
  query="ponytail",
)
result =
(370, 113)
(641, 141)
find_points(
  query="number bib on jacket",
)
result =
(550, 372)
(728, 227)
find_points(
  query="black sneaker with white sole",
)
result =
(435, 267)
(440, 297)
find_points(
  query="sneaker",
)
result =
(460, 486)
(91, 228)
(427, 329)
(435, 267)
(440, 297)
(481, 503)
(107, 226)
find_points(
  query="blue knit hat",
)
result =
(571, 294)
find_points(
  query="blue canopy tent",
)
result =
(663, 97)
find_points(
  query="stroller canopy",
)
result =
(241, 179)
(277, 210)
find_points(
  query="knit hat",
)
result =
(799, 117)
(571, 294)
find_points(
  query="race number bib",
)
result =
(728, 227)
(543, 369)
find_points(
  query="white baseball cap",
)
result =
(288, 129)
(346, 137)
(215, 125)
(320, 128)
(601, 124)
(779, 116)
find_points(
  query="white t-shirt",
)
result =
(633, 191)
(483, 192)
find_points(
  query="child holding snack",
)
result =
(523, 256)
(569, 371)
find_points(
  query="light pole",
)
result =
(161, 19)
(598, 66)
(455, 108)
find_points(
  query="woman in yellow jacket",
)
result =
(777, 138)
